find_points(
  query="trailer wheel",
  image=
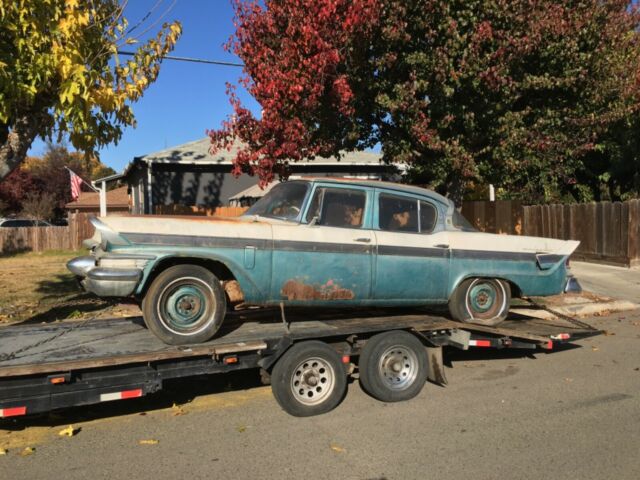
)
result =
(309, 379)
(184, 304)
(393, 366)
(483, 301)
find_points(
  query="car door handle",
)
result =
(442, 245)
(363, 240)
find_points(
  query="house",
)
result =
(188, 175)
(89, 202)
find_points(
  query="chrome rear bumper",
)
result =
(572, 285)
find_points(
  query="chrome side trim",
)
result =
(114, 274)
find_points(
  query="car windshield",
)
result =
(283, 201)
(462, 223)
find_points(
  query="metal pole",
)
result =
(149, 190)
(103, 200)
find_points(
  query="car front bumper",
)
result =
(103, 281)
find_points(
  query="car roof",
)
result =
(391, 186)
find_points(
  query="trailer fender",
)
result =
(274, 354)
(435, 366)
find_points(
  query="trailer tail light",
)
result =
(346, 359)
(107, 397)
(561, 336)
(230, 360)
(12, 412)
(57, 380)
(479, 343)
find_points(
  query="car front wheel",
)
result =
(184, 304)
(483, 301)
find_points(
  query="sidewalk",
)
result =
(616, 282)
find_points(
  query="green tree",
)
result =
(515, 93)
(60, 75)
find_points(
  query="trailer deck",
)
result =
(43, 367)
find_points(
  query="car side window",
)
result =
(428, 217)
(337, 207)
(397, 214)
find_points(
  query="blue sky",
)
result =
(187, 98)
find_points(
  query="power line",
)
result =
(193, 60)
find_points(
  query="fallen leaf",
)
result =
(68, 432)
(177, 410)
(568, 380)
(607, 333)
(594, 348)
(242, 428)
(3, 451)
(337, 448)
(27, 451)
(150, 441)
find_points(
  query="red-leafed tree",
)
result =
(511, 92)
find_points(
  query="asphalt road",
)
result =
(574, 413)
(617, 282)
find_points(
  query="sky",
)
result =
(187, 98)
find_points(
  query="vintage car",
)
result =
(318, 242)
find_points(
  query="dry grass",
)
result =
(37, 288)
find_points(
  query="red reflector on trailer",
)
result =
(230, 360)
(107, 397)
(12, 412)
(479, 343)
(346, 359)
(57, 380)
(550, 344)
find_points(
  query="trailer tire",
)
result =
(185, 304)
(481, 301)
(393, 366)
(309, 379)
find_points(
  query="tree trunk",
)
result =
(14, 149)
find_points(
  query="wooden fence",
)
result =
(608, 232)
(501, 216)
(40, 239)
(175, 209)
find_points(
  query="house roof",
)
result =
(197, 152)
(115, 198)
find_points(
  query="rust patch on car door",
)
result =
(298, 290)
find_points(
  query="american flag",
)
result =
(76, 183)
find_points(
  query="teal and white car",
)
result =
(318, 242)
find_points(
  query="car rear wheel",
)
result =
(184, 304)
(393, 366)
(309, 379)
(483, 301)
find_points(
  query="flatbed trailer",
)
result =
(306, 359)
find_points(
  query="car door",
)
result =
(412, 263)
(327, 258)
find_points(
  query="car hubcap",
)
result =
(486, 299)
(482, 297)
(184, 305)
(398, 367)
(313, 381)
